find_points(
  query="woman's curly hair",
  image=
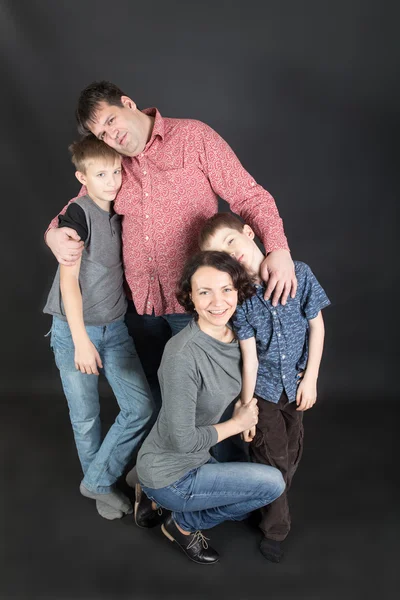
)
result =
(222, 261)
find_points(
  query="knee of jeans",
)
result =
(274, 481)
(83, 426)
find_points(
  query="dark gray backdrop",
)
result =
(307, 94)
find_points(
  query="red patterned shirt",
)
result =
(167, 193)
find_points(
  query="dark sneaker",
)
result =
(145, 515)
(195, 545)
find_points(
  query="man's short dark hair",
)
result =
(89, 100)
(222, 261)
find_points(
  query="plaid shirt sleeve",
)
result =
(313, 297)
(242, 327)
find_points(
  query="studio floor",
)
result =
(343, 543)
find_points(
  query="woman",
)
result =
(199, 377)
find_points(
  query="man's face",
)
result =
(102, 179)
(239, 244)
(120, 127)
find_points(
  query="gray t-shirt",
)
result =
(101, 275)
(199, 377)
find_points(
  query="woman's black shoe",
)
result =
(144, 514)
(194, 545)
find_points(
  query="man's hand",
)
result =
(306, 395)
(277, 271)
(248, 435)
(65, 244)
(87, 358)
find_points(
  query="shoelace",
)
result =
(197, 536)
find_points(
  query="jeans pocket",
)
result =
(183, 486)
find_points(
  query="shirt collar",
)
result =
(158, 127)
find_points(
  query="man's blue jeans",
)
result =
(103, 462)
(218, 492)
(150, 334)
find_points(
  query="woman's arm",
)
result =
(244, 418)
(180, 381)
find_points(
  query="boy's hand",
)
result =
(87, 359)
(306, 395)
(65, 244)
(248, 435)
(277, 271)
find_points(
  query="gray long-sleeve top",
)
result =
(199, 377)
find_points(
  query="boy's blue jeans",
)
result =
(217, 492)
(103, 462)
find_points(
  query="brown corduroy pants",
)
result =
(278, 442)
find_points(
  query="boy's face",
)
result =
(102, 179)
(239, 244)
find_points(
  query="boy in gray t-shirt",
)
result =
(89, 335)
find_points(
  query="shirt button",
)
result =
(146, 194)
(279, 335)
(151, 278)
(283, 356)
(253, 183)
(274, 313)
(146, 238)
(147, 216)
(283, 376)
(142, 154)
(144, 172)
(150, 258)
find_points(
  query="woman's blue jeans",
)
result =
(103, 461)
(218, 492)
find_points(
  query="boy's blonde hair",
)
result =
(90, 148)
(216, 222)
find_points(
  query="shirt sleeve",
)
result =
(75, 218)
(313, 297)
(242, 327)
(54, 222)
(179, 384)
(234, 184)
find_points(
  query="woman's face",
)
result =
(213, 296)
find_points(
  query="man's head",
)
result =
(226, 233)
(104, 110)
(98, 167)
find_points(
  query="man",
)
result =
(173, 171)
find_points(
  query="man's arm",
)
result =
(307, 390)
(87, 358)
(255, 205)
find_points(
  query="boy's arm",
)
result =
(248, 349)
(307, 390)
(250, 367)
(87, 358)
(65, 243)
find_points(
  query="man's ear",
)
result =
(128, 103)
(247, 230)
(81, 177)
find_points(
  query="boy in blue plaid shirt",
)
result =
(281, 348)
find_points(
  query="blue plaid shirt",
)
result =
(281, 333)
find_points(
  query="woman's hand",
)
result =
(245, 415)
